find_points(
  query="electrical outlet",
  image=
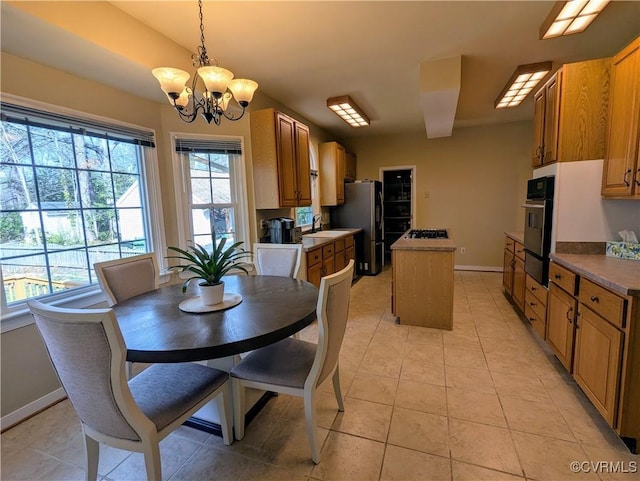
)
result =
(463, 250)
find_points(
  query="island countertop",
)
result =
(406, 243)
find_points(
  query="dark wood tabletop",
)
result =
(155, 330)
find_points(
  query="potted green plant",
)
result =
(209, 267)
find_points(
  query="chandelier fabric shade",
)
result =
(219, 88)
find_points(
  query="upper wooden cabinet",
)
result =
(570, 113)
(332, 173)
(280, 153)
(621, 172)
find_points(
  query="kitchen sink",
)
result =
(327, 233)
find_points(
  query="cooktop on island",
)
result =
(427, 234)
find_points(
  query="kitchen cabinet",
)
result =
(621, 171)
(561, 314)
(350, 167)
(598, 358)
(606, 343)
(332, 173)
(518, 276)
(570, 113)
(513, 275)
(535, 305)
(329, 258)
(422, 287)
(527, 295)
(280, 156)
(508, 265)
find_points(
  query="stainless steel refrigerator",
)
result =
(363, 209)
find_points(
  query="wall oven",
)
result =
(537, 227)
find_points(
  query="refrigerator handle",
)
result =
(379, 218)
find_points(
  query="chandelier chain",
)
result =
(201, 59)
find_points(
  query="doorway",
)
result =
(398, 197)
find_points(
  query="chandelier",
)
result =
(219, 87)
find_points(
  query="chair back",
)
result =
(277, 259)
(123, 278)
(88, 354)
(332, 311)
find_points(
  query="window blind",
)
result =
(77, 125)
(209, 146)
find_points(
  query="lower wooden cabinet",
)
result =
(514, 281)
(561, 314)
(598, 359)
(329, 258)
(599, 345)
(535, 305)
(518, 282)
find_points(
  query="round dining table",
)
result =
(156, 330)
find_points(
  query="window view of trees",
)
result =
(67, 200)
(304, 215)
(213, 200)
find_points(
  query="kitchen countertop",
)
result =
(619, 275)
(405, 243)
(516, 236)
(309, 243)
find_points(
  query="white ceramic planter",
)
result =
(211, 295)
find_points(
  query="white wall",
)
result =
(580, 213)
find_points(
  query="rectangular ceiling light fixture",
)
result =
(570, 17)
(521, 83)
(345, 108)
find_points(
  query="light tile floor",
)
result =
(486, 401)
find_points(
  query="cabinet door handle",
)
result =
(594, 299)
(578, 314)
(557, 276)
(533, 288)
(626, 182)
(636, 177)
(532, 303)
(570, 315)
(532, 319)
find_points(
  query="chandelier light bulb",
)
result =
(172, 80)
(243, 90)
(216, 79)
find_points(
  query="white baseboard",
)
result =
(32, 408)
(478, 268)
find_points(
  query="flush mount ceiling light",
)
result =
(345, 108)
(215, 97)
(571, 17)
(521, 83)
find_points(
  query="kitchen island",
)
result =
(422, 285)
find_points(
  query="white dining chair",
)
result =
(127, 277)
(277, 259)
(88, 354)
(296, 367)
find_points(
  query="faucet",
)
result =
(318, 218)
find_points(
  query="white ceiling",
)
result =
(303, 52)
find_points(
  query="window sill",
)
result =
(90, 297)
(22, 317)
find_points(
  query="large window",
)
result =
(213, 173)
(72, 193)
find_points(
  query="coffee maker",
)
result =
(282, 230)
